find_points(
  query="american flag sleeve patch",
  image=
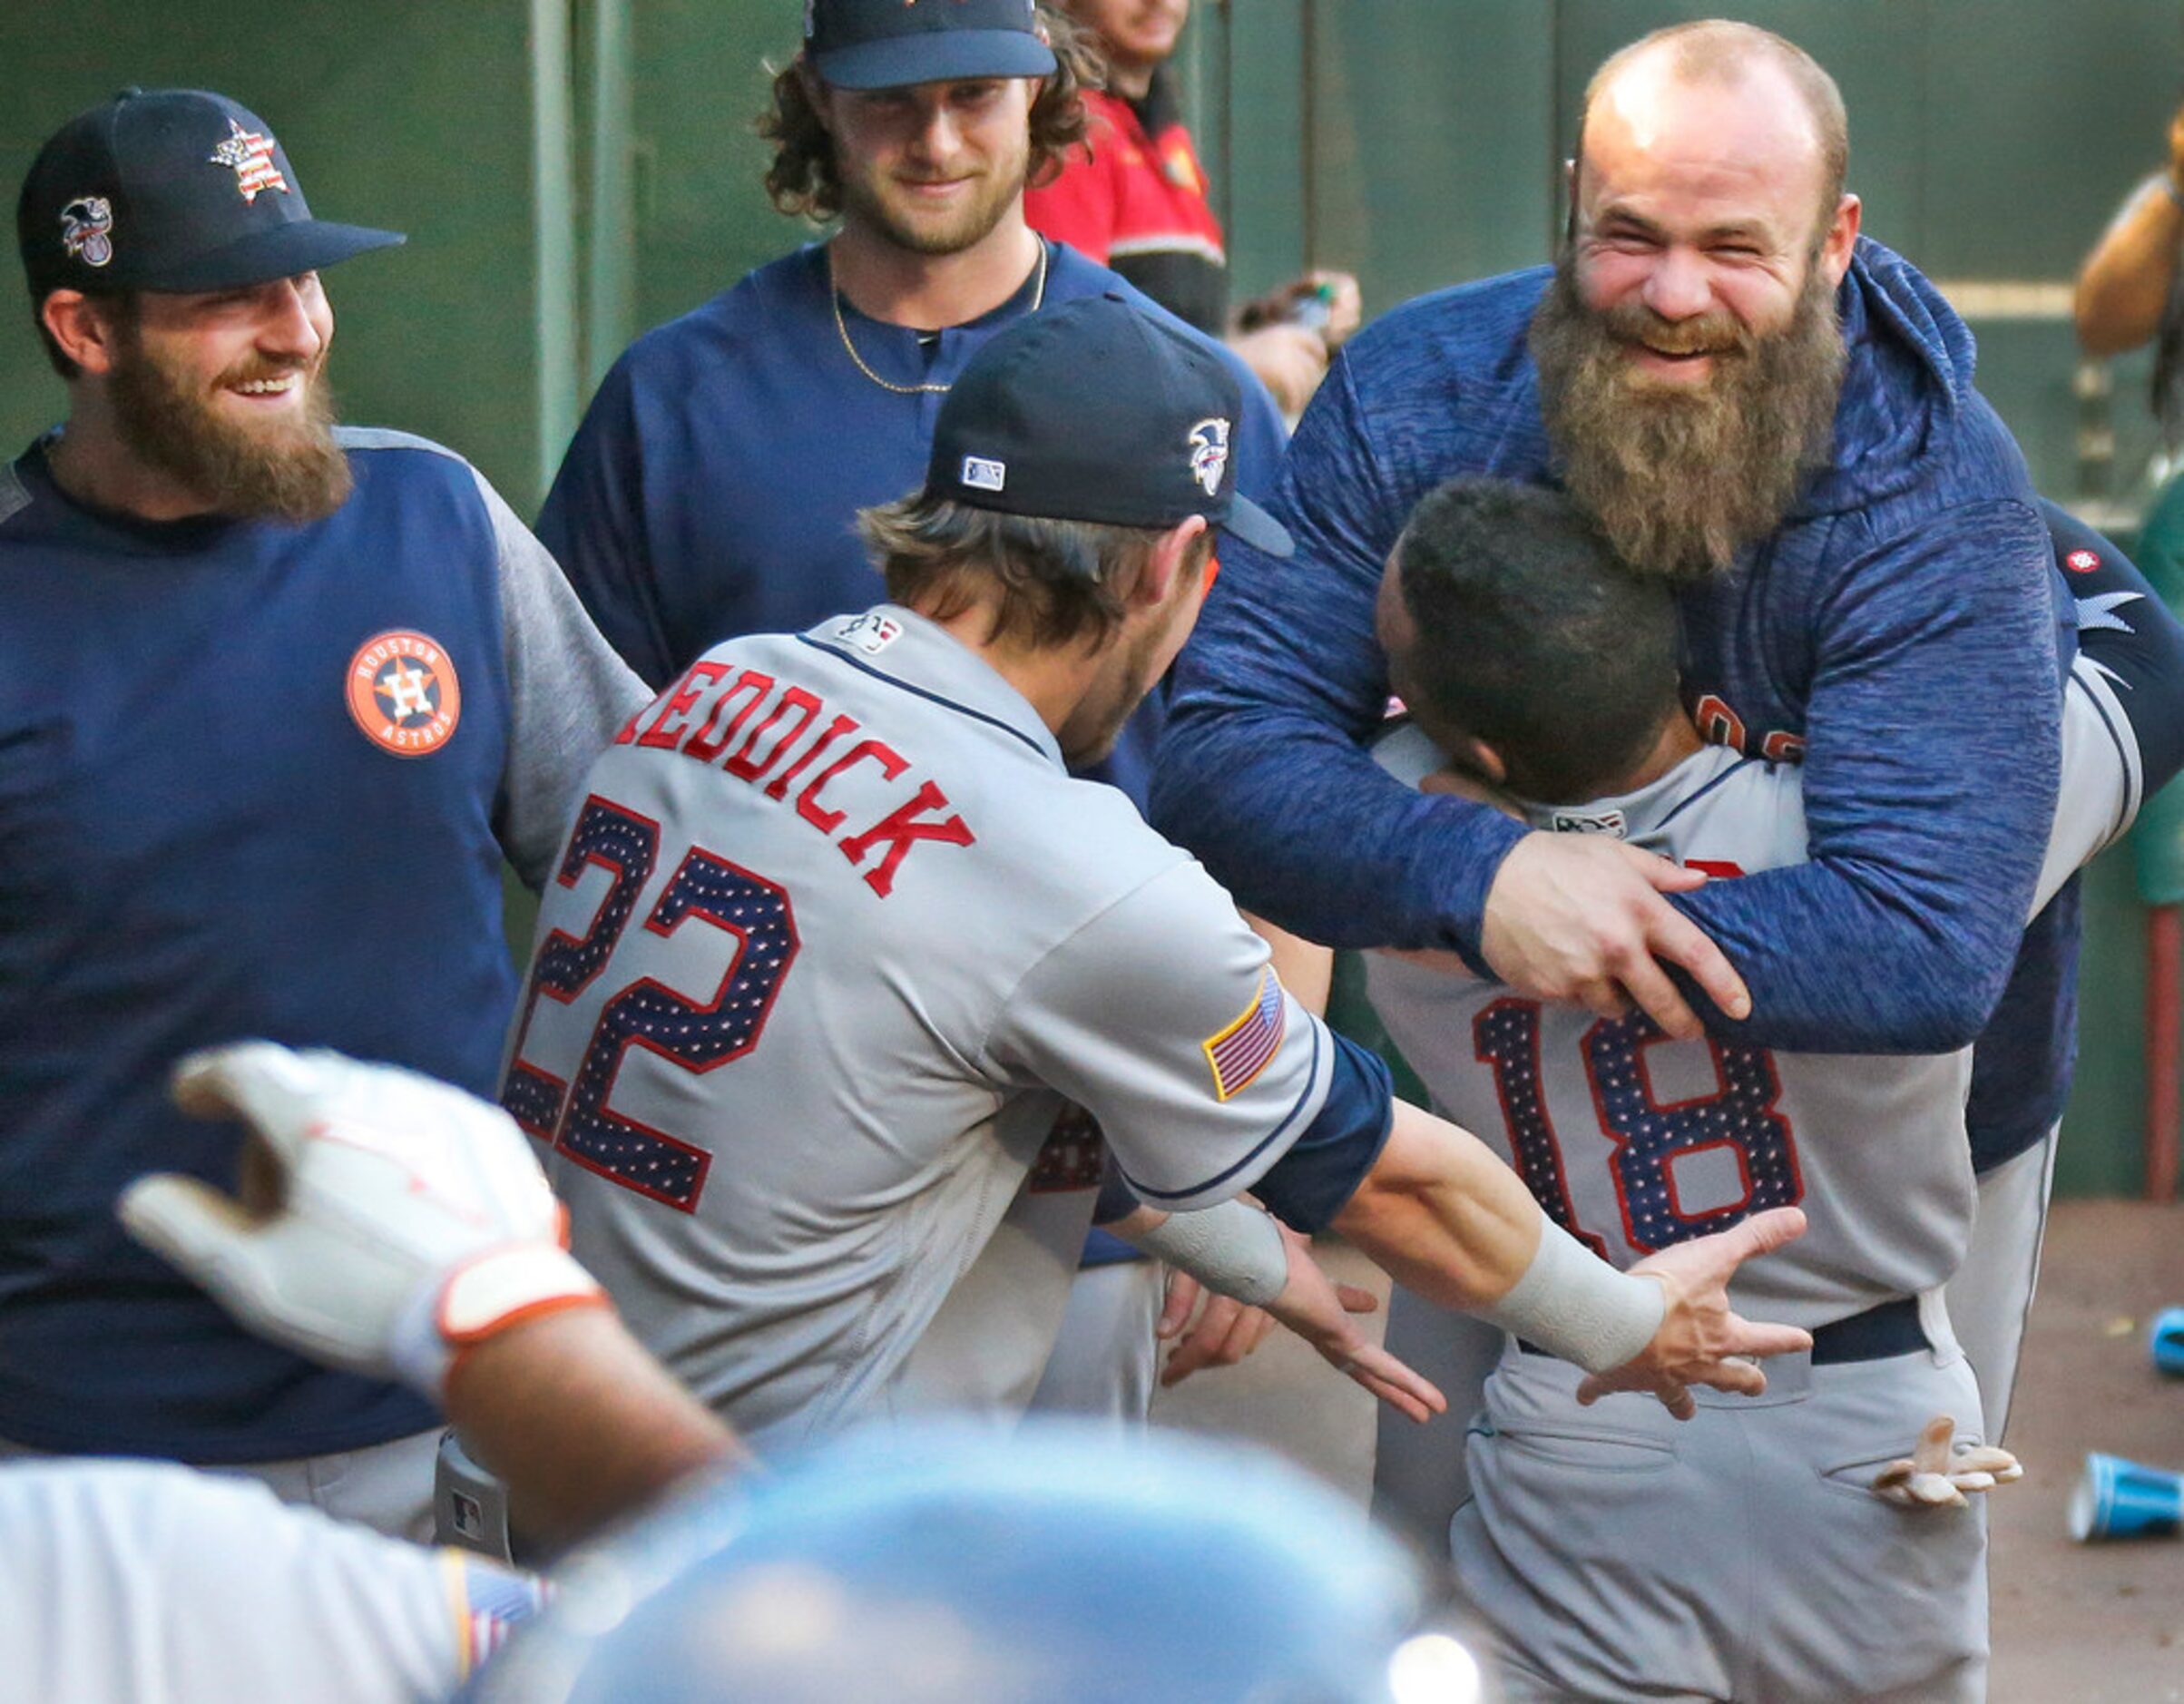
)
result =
(1241, 1052)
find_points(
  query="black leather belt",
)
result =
(1885, 1329)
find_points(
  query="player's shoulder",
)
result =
(1721, 809)
(405, 453)
(1472, 333)
(401, 467)
(763, 316)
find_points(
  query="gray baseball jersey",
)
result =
(1632, 1142)
(1762, 1543)
(837, 951)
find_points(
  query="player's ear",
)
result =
(1167, 562)
(84, 332)
(1482, 760)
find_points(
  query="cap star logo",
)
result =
(1209, 453)
(251, 155)
(2081, 562)
(87, 223)
(403, 693)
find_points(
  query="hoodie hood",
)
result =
(1906, 386)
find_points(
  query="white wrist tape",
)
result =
(1233, 1248)
(1574, 1304)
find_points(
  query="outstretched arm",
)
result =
(1238, 1252)
(1446, 1218)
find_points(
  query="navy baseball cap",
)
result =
(887, 43)
(1095, 411)
(174, 190)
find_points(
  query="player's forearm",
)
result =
(2125, 282)
(1448, 1220)
(1440, 1214)
(583, 1425)
(1305, 829)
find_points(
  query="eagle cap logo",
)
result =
(1209, 453)
(87, 224)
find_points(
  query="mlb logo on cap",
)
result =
(1095, 410)
(889, 43)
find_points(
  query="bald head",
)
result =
(1719, 60)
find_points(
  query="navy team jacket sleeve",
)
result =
(1930, 779)
(1262, 771)
(593, 523)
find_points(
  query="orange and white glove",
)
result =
(388, 1221)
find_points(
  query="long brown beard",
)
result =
(289, 471)
(1682, 479)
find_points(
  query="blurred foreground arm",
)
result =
(397, 1226)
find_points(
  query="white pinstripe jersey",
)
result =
(836, 942)
(1633, 1141)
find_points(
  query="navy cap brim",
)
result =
(308, 245)
(935, 56)
(1246, 520)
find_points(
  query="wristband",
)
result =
(1574, 1304)
(1231, 1248)
(498, 1288)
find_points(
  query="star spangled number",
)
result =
(706, 891)
(1646, 1137)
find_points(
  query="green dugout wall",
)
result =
(571, 172)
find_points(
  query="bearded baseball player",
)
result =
(1524, 650)
(353, 684)
(837, 943)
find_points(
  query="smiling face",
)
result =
(1139, 36)
(225, 393)
(1688, 351)
(1698, 214)
(933, 168)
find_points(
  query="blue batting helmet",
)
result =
(1060, 1566)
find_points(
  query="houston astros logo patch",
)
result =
(404, 694)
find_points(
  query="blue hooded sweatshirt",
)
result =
(1903, 632)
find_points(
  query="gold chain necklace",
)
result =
(834, 297)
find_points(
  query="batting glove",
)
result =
(388, 1221)
(1940, 1471)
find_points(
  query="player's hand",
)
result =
(1701, 1340)
(1289, 361)
(2176, 149)
(1580, 917)
(387, 1220)
(1224, 1333)
(1940, 1472)
(1321, 1312)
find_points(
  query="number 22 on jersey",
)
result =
(705, 891)
(1647, 1140)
